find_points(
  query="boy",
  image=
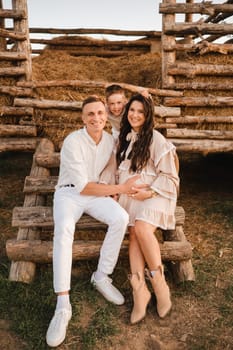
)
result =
(116, 101)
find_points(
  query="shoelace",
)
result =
(61, 316)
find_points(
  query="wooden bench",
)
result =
(34, 243)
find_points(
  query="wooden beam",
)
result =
(200, 134)
(197, 101)
(182, 29)
(64, 31)
(202, 146)
(205, 8)
(190, 70)
(16, 91)
(17, 130)
(28, 144)
(27, 102)
(208, 85)
(15, 14)
(12, 34)
(97, 84)
(15, 111)
(200, 119)
(12, 56)
(38, 251)
(12, 71)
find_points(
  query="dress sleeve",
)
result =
(167, 180)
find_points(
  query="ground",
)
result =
(201, 317)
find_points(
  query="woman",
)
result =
(143, 150)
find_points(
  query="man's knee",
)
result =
(64, 227)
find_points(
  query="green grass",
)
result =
(30, 308)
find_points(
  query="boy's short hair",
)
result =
(91, 99)
(114, 89)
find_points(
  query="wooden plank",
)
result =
(42, 216)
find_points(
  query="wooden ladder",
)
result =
(35, 222)
(15, 133)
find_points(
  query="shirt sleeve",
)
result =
(73, 164)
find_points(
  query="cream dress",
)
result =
(161, 175)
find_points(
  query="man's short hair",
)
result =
(91, 99)
(114, 89)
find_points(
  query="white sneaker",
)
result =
(106, 288)
(56, 332)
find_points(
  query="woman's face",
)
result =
(136, 116)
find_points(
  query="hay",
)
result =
(143, 70)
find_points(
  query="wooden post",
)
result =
(182, 270)
(23, 46)
(167, 57)
(189, 18)
(2, 25)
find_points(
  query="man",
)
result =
(84, 155)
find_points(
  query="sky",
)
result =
(116, 14)
(106, 14)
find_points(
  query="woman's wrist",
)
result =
(153, 194)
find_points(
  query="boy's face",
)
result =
(116, 103)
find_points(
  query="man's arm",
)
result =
(95, 189)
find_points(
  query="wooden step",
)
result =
(42, 216)
(39, 251)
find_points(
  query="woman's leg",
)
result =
(141, 294)
(148, 243)
(136, 258)
(150, 248)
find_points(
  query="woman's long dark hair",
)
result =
(141, 149)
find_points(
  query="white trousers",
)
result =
(68, 207)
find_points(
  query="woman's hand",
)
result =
(141, 193)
